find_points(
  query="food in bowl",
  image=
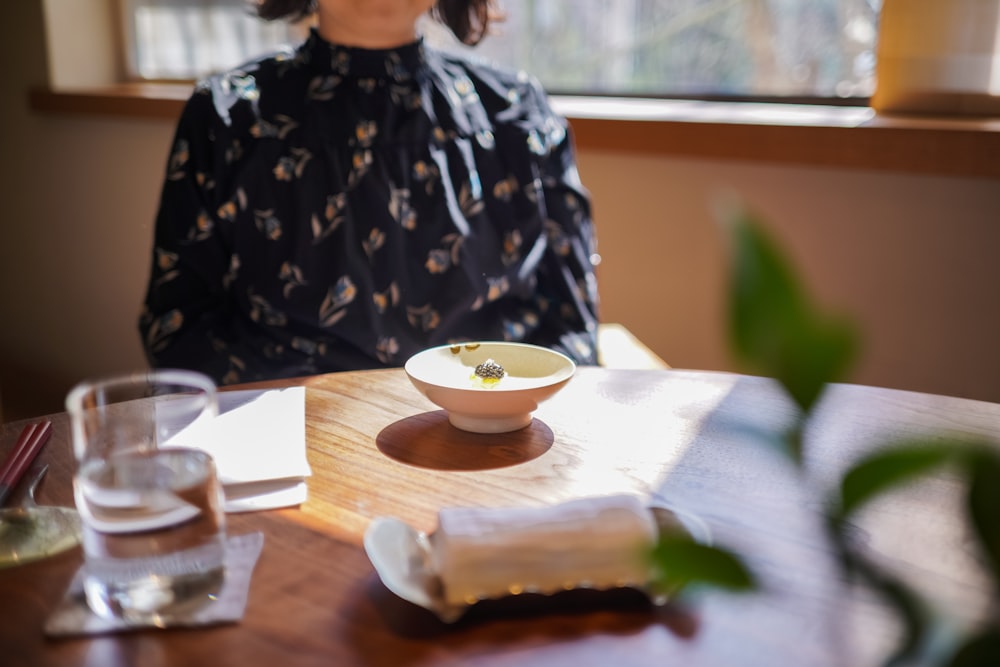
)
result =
(488, 373)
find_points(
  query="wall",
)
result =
(78, 198)
(911, 258)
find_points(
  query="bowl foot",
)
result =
(489, 424)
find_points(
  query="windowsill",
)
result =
(824, 136)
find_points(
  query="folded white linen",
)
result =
(269, 494)
(258, 443)
(598, 542)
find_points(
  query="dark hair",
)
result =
(469, 20)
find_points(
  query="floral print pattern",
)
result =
(333, 208)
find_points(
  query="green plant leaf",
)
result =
(777, 331)
(925, 640)
(887, 468)
(817, 355)
(984, 506)
(982, 650)
(680, 562)
(773, 327)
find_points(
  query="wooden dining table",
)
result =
(687, 439)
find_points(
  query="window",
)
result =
(187, 39)
(725, 49)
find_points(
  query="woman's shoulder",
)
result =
(248, 85)
(512, 93)
(481, 68)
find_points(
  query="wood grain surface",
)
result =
(378, 448)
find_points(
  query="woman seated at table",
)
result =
(364, 197)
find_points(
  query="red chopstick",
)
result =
(28, 445)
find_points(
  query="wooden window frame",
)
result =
(845, 137)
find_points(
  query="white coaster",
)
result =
(74, 618)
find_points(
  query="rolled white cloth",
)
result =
(599, 542)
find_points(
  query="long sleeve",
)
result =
(568, 278)
(188, 319)
(567, 283)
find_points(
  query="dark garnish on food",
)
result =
(490, 370)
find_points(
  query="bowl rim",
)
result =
(564, 375)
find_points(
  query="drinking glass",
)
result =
(152, 513)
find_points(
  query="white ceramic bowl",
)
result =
(446, 376)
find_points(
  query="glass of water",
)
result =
(152, 513)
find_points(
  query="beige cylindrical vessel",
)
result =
(938, 56)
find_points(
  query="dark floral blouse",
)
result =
(336, 208)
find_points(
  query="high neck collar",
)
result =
(399, 63)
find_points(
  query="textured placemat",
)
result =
(74, 618)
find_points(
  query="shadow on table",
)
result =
(428, 440)
(584, 612)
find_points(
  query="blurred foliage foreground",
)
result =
(776, 331)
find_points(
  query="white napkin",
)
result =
(258, 442)
(490, 552)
